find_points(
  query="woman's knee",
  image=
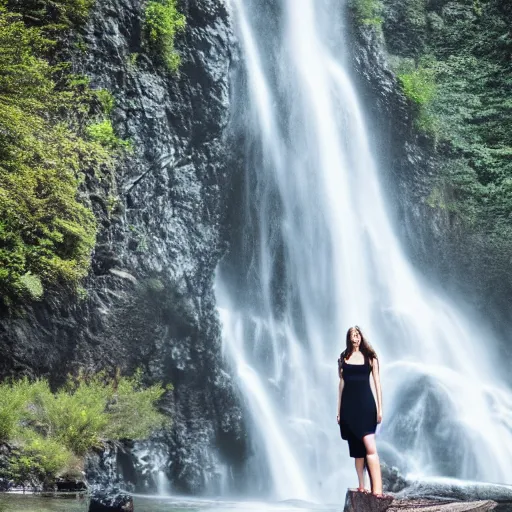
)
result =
(369, 443)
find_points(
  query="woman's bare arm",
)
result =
(376, 380)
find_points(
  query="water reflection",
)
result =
(31, 503)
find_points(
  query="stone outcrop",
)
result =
(110, 500)
(459, 490)
(363, 502)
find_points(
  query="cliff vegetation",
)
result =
(49, 139)
(453, 62)
(54, 130)
(50, 432)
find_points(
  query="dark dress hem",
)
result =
(358, 410)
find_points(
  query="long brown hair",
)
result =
(365, 347)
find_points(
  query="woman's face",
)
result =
(355, 338)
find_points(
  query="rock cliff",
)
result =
(149, 300)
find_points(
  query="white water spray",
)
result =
(322, 257)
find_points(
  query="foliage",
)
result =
(463, 93)
(40, 459)
(51, 428)
(132, 413)
(46, 233)
(107, 100)
(13, 401)
(54, 14)
(90, 409)
(418, 84)
(162, 21)
(132, 59)
(367, 12)
(32, 285)
(103, 133)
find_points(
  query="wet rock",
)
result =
(365, 502)
(101, 468)
(110, 500)
(441, 506)
(451, 489)
(362, 502)
(63, 485)
(392, 480)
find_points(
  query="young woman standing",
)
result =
(358, 414)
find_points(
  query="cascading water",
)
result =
(318, 254)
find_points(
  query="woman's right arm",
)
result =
(340, 391)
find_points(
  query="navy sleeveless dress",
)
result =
(358, 411)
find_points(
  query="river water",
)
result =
(32, 503)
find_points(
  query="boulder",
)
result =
(110, 500)
(356, 501)
(441, 506)
(365, 502)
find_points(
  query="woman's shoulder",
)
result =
(372, 360)
(341, 361)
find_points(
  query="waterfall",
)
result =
(151, 460)
(316, 254)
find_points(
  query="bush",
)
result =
(103, 133)
(462, 95)
(368, 12)
(14, 398)
(50, 429)
(162, 21)
(86, 411)
(418, 84)
(54, 13)
(131, 412)
(40, 459)
(75, 416)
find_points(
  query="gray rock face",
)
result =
(365, 502)
(459, 490)
(404, 156)
(150, 300)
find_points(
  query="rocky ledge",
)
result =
(431, 495)
(363, 502)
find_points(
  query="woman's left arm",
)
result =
(376, 380)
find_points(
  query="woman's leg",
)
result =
(360, 472)
(372, 459)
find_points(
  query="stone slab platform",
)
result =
(361, 502)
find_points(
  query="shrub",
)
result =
(132, 413)
(368, 12)
(75, 416)
(40, 459)
(162, 21)
(32, 285)
(51, 428)
(418, 84)
(88, 410)
(54, 13)
(14, 398)
(107, 100)
(103, 133)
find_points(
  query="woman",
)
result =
(358, 414)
